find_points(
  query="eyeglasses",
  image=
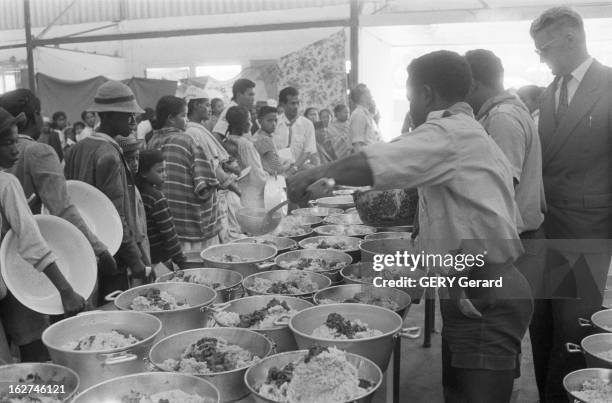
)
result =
(545, 48)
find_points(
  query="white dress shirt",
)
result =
(573, 84)
(303, 139)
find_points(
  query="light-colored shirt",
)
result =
(299, 136)
(464, 182)
(509, 123)
(222, 125)
(86, 132)
(362, 128)
(142, 129)
(16, 215)
(252, 186)
(573, 84)
(213, 150)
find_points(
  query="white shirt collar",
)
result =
(581, 70)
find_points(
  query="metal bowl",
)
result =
(96, 366)
(340, 293)
(343, 219)
(196, 295)
(601, 320)
(230, 281)
(51, 374)
(309, 220)
(229, 383)
(252, 220)
(352, 244)
(574, 380)
(257, 374)
(317, 211)
(282, 244)
(254, 256)
(592, 347)
(388, 235)
(340, 202)
(321, 280)
(358, 231)
(386, 208)
(607, 299)
(377, 349)
(149, 382)
(279, 333)
(329, 255)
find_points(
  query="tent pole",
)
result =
(354, 45)
(29, 45)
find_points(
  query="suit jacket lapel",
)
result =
(587, 94)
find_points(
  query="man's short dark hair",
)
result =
(557, 16)
(357, 92)
(241, 86)
(148, 158)
(486, 67)
(339, 108)
(287, 92)
(58, 115)
(78, 124)
(265, 110)
(446, 73)
(193, 103)
(21, 100)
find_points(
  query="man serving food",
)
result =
(466, 202)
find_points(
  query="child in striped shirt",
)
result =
(164, 243)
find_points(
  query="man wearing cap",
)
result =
(198, 111)
(99, 161)
(24, 327)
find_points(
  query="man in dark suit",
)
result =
(576, 134)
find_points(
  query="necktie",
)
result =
(563, 98)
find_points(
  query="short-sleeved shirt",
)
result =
(299, 136)
(222, 125)
(509, 123)
(362, 128)
(464, 181)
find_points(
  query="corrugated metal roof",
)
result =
(88, 11)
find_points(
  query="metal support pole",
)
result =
(354, 47)
(29, 45)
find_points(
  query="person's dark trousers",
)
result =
(555, 321)
(110, 283)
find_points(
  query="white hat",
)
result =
(194, 92)
(113, 96)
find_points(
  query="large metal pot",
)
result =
(230, 281)
(66, 379)
(279, 333)
(229, 383)
(592, 347)
(340, 293)
(601, 320)
(199, 297)
(283, 261)
(377, 349)
(321, 280)
(257, 374)
(148, 382)
(574, 380)
(253, 256)
(352, 244)
(281, 244)
(96, 366)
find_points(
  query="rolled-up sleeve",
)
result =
(32, 246)
(50, 185)
(426, 156)
(509, 136)
(204, 177)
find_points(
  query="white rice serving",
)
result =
(595, 391)
(295, 283)
(170, 396)
(156, 300)
(263, 318)
(102, 341)
(338, 328)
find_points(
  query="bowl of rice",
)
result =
(294, 283)
(266, 314)
(319, 374)
(226, 283)
(246, 259)
(346, 244)
(590, 385)
(61, 383)
(151, 387)
(597, 350)
(390, 298)
(179, 306)
(281, 244)
(366, 330)
(296, 228)
(324, 261)
(220, 355)
(102, 345)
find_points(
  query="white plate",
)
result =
(98, 212)
(244, 173)
(76, 261)
(275, 193)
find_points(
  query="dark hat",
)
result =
(7, 120)
(113, 96)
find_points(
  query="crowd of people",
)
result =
(484, 167)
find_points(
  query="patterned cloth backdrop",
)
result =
(318, 71)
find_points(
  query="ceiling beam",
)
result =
(56, 19)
